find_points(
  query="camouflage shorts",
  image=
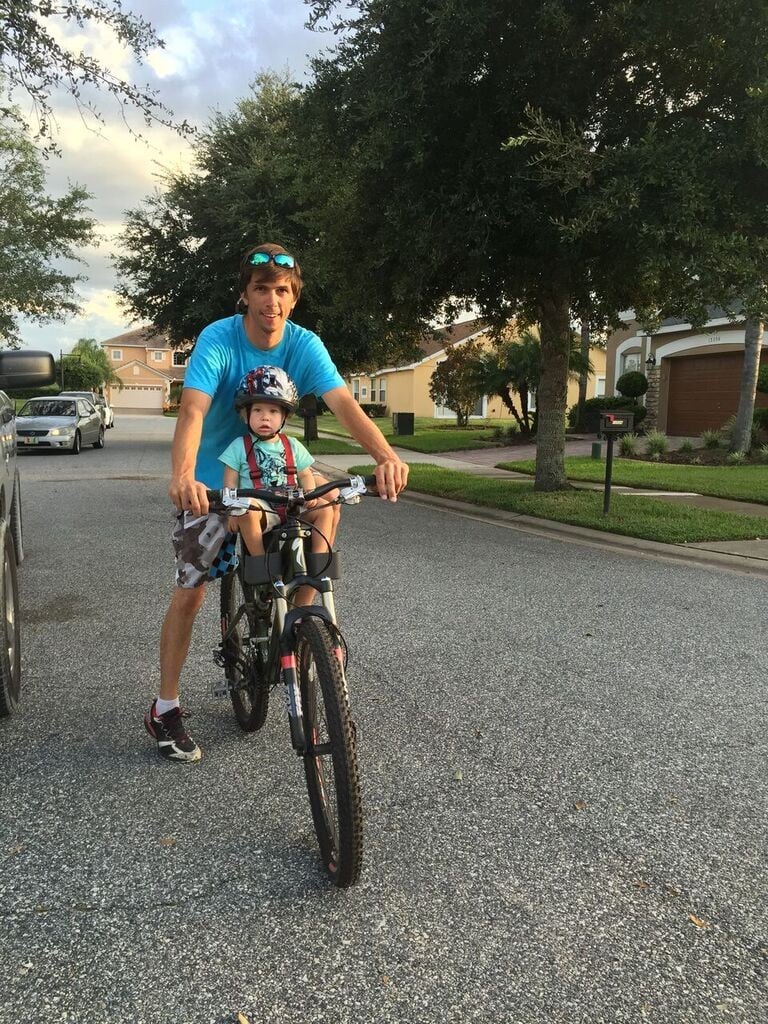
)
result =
(204, 547)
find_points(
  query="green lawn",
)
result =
(431, 435)
(742, 483)
(633, 517)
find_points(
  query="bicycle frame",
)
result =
(293, 574)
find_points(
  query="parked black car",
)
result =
(17, 370)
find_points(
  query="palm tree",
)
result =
(515, 367)
(89, 350)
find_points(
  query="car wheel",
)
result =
(100, 442)
(76, 444)
(17, 530)
(10, 645)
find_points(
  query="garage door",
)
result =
(704, 392)
(146, 398)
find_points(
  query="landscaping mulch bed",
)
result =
(700, 457)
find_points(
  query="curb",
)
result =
(681, 553)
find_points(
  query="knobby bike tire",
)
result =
(333, 778)
(248, 690)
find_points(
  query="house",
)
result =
(694, 374)
(406, 388)
(147, 365)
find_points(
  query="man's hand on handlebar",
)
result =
(391, 478)
(189, 495)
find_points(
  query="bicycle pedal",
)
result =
(221, 688)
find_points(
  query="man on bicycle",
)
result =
(260, 333)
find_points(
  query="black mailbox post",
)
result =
(308, 409)
(613, 423)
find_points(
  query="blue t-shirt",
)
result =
(221, 358)
(270, 455)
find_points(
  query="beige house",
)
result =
(406, 388)
(694, 374)
(147, 365)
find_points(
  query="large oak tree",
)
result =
(538, 158)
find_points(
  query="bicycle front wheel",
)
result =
(244, 666)
(333, 779)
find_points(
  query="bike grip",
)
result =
(213, 495)
(369, 480)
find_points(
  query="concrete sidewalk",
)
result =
(749, 556)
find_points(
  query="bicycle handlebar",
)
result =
(291, 496)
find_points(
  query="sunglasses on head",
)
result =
(280, 259)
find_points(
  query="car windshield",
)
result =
(47, 407)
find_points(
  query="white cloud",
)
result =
(94, 40)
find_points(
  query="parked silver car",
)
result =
(63, 423)
(23, 369)
(103, 407)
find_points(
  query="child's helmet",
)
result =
(267, 384)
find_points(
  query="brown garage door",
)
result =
(704, 391)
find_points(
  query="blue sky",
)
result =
(212, 53)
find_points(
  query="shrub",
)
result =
(628, 445)
(590, 422)
(657, 443)
(686, 446)
(727, 429)
(632, 384)
(51, 389)
(735, 458)
(373, 410)
(696, 461)
(764, 453)
(656, 456)
(711, 438)
(760, 419)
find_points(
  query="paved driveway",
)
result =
(564, 757)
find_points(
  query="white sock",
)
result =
(161, 706)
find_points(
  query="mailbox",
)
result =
(615, 422)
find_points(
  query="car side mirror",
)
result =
(26, 369)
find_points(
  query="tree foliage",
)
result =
(514, 368)
(252, 182)
(35, 232)
(454, 381)
(33, 58)
(86, 368)
(543, 158)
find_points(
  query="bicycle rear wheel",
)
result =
(244, 666)
(333, 779)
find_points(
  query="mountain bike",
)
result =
(265, 642)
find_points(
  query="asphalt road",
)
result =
(564, 759)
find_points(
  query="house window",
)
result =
(364, 392)
(356, 390)
(117, 354)
(136, 371)
(531, 401)
(157, 357)
(180, 358)
(599, 387)
(629, 361)
(383, 392)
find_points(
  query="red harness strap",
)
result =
(253, 465)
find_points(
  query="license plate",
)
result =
(29, 440)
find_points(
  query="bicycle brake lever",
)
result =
(229, 499)
(351, 495)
